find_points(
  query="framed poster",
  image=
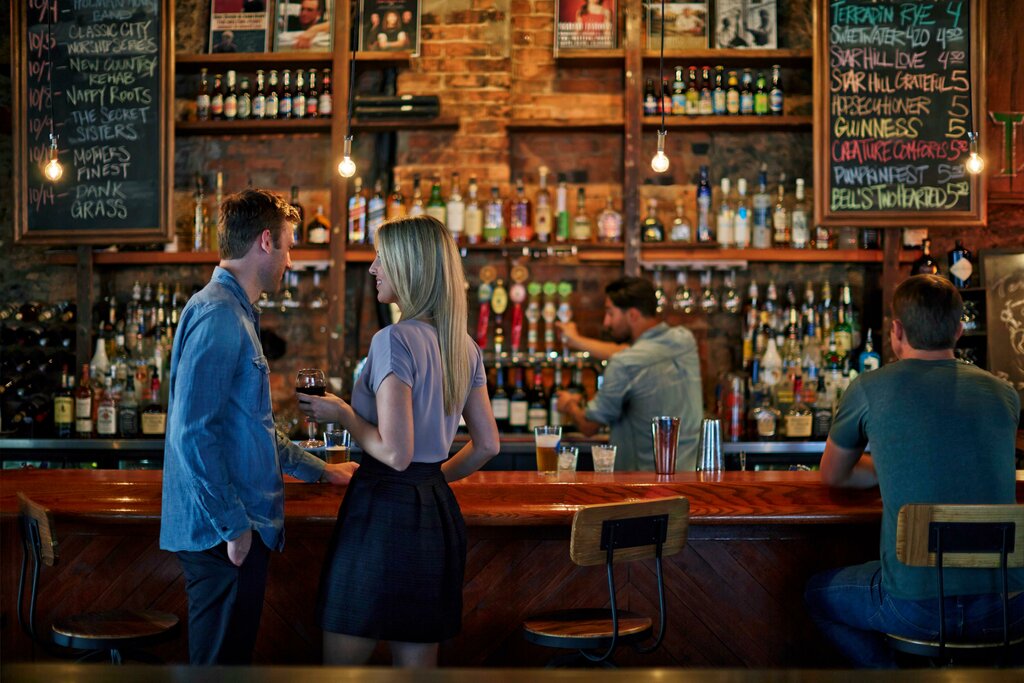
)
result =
(746, 24)
(304, 25)
(1003, 273)
(686, 25)
(586, 24)
(239, 25)
(389, 26)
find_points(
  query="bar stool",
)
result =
(111, 632)
(618, 532)
(967, 537)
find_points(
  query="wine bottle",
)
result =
(500, 406)
(960, 267)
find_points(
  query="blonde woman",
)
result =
(394, 569)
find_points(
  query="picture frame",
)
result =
(586, 25)
(389, 26)
(746, 24)
(1002, 273)
(304, 26)
(686, 25)
(239, 26)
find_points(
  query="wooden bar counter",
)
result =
(734, 593)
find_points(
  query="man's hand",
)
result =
(569, 333)
(339, 473)
(239, 548)
(566, 399)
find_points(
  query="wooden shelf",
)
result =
(712, 56)
(157, 258)
(584, 252)
(653, 254)
(395, 58)
(252, 127)
(584, 58)
(541, 125)
(437, 123)
(727, 122)
(250, 61)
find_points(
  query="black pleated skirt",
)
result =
(397, 558)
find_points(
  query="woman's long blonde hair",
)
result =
(422, 262)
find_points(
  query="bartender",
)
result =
(653, 370)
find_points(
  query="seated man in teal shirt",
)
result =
(941, 431)
(657, 374)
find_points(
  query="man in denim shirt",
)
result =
(223, 457)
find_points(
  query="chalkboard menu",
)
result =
(899, 86)
(96, 73)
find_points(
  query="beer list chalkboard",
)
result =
(898, 105)
(96, 67)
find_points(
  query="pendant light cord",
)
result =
(661, 67)
(353, 44)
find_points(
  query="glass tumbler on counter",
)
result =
(547, 440)
(337, 442)
(567, 457)
(604, 457)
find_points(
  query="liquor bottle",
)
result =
(154, 416)
(747, 93)
(302, 215)
(582, 231)
(375, 210)
(312, 97)
(259, 98)
(761, 237)
(609, 223)
(706, 105)
(474, 215)
(494, 231)
(231, 98)
(542, 216)
(869, 359)
(435, 205)
(64, 407)
(500, 406)
(870, 238)
(960, 267)
(244, 100)
(780, 217)
(518, 405)
(822, 412)
(741, 222)
(822, 237)
(357, 214)
(799, 418)
(761, 95)
(537, 412)
(576, 387)
(416, 207)
(83, 405)
(273, 97)
(652, 229)
(562, 210)
(767, 418)
(318, 232)
(299, 97)
(217, 98)
(692, 93)
(202, 100)
(650, 99)
(799, 234)
(681, 230)
(284, 107)
(456, 210)
(776, 97)
(704, 207)
(520, 228)
(128, 414)
(925, 264)
(665, 103)
(718, 107)
(106, 415)
(396, 202)
(732, 95)
(679, 92)
(200, 217)
(326, 105)
(555, 418)
(726, 216)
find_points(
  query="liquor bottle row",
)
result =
(960, 270)
(723, 94)
(270, 98)
(107, 406)
(522, 400)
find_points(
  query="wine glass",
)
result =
(311, 381)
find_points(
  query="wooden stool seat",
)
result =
(908, 643)
(585, 628)
(120, 628)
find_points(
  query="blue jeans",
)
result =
(854, 613)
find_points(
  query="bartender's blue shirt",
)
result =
(223, 457)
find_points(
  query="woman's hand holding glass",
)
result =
(326, 408)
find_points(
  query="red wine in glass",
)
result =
(311, 381)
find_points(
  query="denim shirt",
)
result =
(223, 457)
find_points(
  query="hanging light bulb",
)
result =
(659, 164)
(347, 167)
(975, 163)
(53, 169)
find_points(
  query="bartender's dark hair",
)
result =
(633, 292)
(245, 215)
(929, 307)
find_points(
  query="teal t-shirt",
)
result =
(940, 432)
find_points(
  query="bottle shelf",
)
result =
(250, 61)
(437, 123)
(581, 251)
(584, 58)
(390, 58)
(654, 254)
(731, 56)
(252, 127)
(541, 125)
(156, 258)
(725, 122)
